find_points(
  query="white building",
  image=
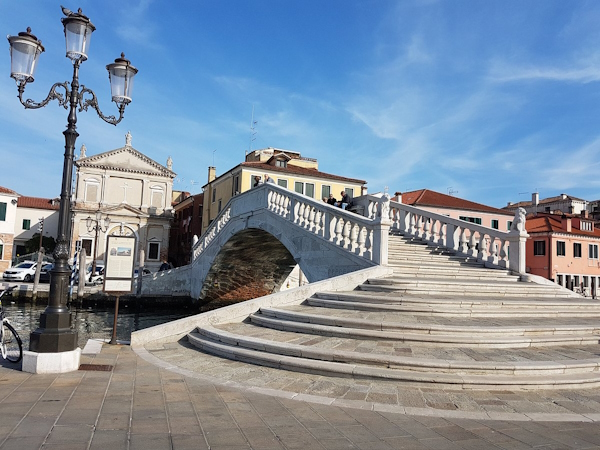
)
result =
(134, 191)
(8, 216)
(29, 212)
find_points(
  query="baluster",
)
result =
(306, 223)
(493, 258)
(353, 237)
(361, 238)
(339, 225)
(472, 244)
(300, 219)
(483, 243)
(413, 228)
(296, 209)
(368, 244)
(463, 240)
(420, 224)
(286, 207)
(311, 219)
(318, 226)
(441, 240)
(503, 254)
(346, 234)
(427, 228)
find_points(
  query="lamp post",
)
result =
(55, 333)
(96, 225)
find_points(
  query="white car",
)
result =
(24, 271)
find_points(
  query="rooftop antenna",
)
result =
(451, 191)
(252, 132)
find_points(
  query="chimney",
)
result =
(566, 223)
(563, 196)
(398, 196)
(212, 173)
(535, 199)
(585, 214)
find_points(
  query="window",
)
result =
(576, 250)
(236, 185)
(26, 224)
(586, 226)
(539, 248)
(325, 191)
(350, 192)
(547, 209)
(2, 211)
(156, 199)
(561, 248)
(310, 190)
(92, 187)
(299, 187)
(214, 194)
(280, 163)
(495, 224)
(219, 208)
(508, 224)
(593, 251)
(281, 182)
(153, 250)
(87, 245)
(476, 220)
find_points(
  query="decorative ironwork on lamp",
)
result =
(55, 333)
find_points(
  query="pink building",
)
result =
(457, 208)
(564, 248)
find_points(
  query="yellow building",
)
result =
(287, 168)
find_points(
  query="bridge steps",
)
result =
(445, 373)
(441, 320)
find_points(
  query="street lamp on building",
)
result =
(55, 333)
(97, 226)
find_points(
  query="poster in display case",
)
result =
(119, 264)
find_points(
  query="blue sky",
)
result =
(491, 99)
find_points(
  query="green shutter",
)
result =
(2, 211)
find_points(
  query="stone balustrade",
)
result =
(362, 236)
(487, 245)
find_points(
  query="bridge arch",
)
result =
(251, 264)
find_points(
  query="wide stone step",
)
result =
(489, 302)
(324, 316)
(446, 288)
(424, 339)
(443, 274)
(411, 266)
(449, 311)
(447, 374)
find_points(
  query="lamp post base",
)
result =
(51, 362)
(55, 334)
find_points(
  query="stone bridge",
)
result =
(262, 234)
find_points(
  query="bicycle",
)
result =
(11, 346)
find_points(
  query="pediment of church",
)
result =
(124, 210)
(125, 159)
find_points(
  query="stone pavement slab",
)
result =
(141, 405)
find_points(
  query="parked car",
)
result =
(45, 272)
(96, 279)
(24, 271)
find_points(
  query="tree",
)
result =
(33, 244)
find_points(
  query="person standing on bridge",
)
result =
(257, 181)
(331, 200)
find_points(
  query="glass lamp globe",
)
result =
(24, 52)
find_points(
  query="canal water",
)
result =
(96, 322)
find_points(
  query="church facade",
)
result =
(133, 191)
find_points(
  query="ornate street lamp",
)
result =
(55, 333)
(96, 225)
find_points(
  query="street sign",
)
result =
(119, 264)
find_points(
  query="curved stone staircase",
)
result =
(440, 320)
